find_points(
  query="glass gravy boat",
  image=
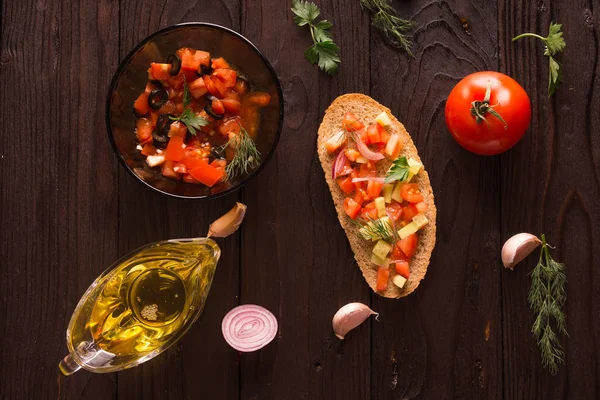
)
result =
(141, 305)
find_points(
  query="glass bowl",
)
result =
(131, 78)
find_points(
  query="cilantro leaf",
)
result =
(399, 171)
(306, 12)
(323, 52)
(554, 44)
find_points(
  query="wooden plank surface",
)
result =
(68, 209)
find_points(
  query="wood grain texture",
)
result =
(297, 262)
(550, 184)
(58, 192)
(201, 362)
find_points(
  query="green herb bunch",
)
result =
(188, 117)
(386, 19)
(246, 157)
(399, 171)
(546, 299)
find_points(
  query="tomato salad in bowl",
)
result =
(385, 203)
(198, 118)
(194, 111)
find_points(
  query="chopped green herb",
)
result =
(191, 120)
(246, 156)
(399, 171)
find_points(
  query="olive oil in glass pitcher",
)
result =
(141, 305)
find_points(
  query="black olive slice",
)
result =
(175, 62)
(161, 130)
(209, 111)
(205, 70)
(157, 98)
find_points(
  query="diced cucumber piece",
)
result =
(408, 230)
(381, 249)
(414, 166)
(388, 188)
(361, 160)
(396, 192)
(399, 281)
(380, 262)
(420, 220)
(383, 119)
(380, 205)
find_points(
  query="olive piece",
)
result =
(209, 97)
(157, 98)
(161, 130)
(156, 83)
(205, 70)
(209, 111)
(175, 62)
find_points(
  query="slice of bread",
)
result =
(367, 110)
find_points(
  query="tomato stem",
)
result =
(480, 108)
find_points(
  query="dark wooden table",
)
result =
(68, 209)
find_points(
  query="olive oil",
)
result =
(142, 305)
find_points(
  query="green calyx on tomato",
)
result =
(480, 108)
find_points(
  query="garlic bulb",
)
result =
(349, 317)
(517, 248)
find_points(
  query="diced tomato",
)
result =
(179, 168)
(217, 106)
(188, 61)
(374, 189)
(219, 87)
(210, 85)
(177, 129)
(175, 149)
(351, 207)
(394, 210)
(198, 88)
(218, 163)
(203, 57)
(360, 196)
(260, 99)
(422, 207)
(189, 178)
(230, 125)
(398, 254)
(219, 63)
(402, 269)
(143, 130)
(369, 211)
(367, 170)
(141, 104)
(241, 86)
(227, 76)
(148, 149)
(176, 82)
(352, 154)
(411, 193)
(153, 117)
(373, 133)
(383, 274)
(383, 134)
(350, 122)
(160, 71)
(358, 185)
(408, 245)
(207, 174)
(364, 136)
(167, 170)
(409, 212)
(346, 184)
(346, 169)
(192, 162)
(232, 105)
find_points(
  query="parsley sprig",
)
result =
(246, 156)
(399, 171)
(323, 52)
(546, 299)
(191, 120)
(554, 45)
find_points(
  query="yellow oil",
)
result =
(146, 300)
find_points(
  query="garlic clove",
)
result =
(349, 317)
(228, 223)
(517, 248)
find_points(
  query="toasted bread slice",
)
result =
(367, 110)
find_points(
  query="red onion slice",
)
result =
(368, 178)
(249, 327)
(365, 151)
(338, 165)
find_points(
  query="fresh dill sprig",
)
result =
(192, 121)
(546, 299)
(246, 156)
(554, 44)
(399, 171)
(386, 19)
(375, 229)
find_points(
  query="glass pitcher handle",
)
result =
(68, 365)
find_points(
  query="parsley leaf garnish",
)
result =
(323, 52)
(399, 170)
(554, 45)
(191, 120)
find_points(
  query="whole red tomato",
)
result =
(488, 112)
